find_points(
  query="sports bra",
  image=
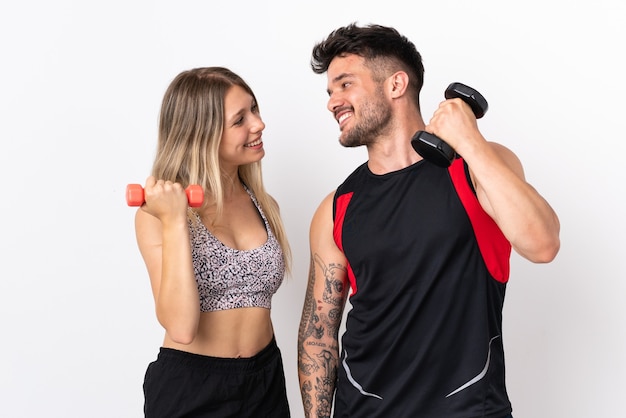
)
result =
(228, 278)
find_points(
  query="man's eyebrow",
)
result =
(341, 77)
(338, 79)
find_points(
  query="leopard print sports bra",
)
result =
(228, 278)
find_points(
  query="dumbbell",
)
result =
(135, 196)
(433, 148)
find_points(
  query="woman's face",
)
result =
(242, 141)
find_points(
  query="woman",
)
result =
(214, 269)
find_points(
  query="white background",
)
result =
(80, 89)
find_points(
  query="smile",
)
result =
(343, 117)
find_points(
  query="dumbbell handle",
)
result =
(433, 148)
(135, 195)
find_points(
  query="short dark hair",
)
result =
(372, 42)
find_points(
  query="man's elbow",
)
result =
(542, 252)
(548, 254)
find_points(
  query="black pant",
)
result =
(182, 384)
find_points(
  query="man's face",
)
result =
(357, 101)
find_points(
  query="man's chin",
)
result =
(349, 142)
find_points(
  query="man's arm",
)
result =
(524, 216)
(327, 289)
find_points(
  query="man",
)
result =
(423, 250)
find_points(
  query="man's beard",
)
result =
(374, 119)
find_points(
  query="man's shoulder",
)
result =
(355, 178)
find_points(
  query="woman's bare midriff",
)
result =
(233, 333)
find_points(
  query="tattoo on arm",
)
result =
(318, 371)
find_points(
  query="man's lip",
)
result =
(343, 116)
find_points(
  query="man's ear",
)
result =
(399, 82)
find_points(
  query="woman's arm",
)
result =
(163, 239)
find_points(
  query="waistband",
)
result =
(217, 364)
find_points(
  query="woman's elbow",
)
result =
(181, 332)
(184, 338)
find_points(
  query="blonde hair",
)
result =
(190, 131)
